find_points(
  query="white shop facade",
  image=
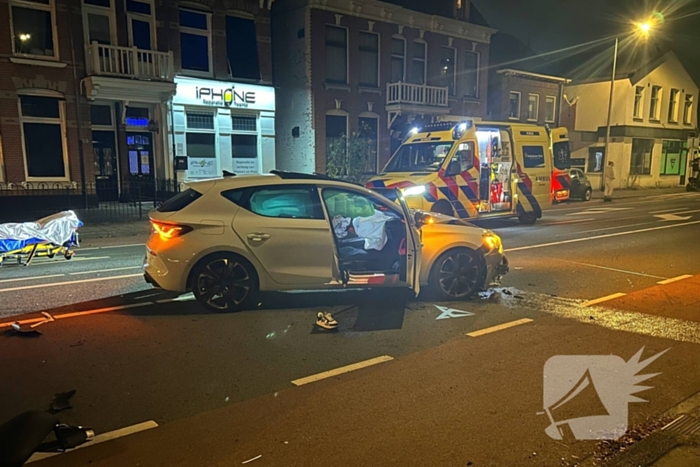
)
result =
(222, 126)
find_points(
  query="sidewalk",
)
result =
(114, 233)
(639, 192)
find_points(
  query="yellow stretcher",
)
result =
(25, 255)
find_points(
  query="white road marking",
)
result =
(675, 279)
(576, 221)
(113, 246)
(689, 212)
(76, 259)
(101, 438)
(663, 211)
(446, 313)
(598, 211)
(341, 370)
(98, 271)
(604, 299)
(30, 278)
(500, 327)
(616, 234)
(672, 217)
(57, 284)
(610, 269)
(252, 459)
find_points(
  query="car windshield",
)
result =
(419, 157)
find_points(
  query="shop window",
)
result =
(200, 120)
(420, 55)
(398, 59)
(655, 106)
(470, 74)
(448, 57)
(242, 48)
(244, 146)
(336, 54)
(514, 106)
(33, 28)
(201, 152)
(640, 162)
(673, 158)
(550, 109)
(141, 23)
(638, 101)
(195, 40)
(43, 134)
(285, 202)
(243, 123)
(101, 115)
(596, 160)
(368, 127)
(369, 59)
(533, 107)
(688, 109)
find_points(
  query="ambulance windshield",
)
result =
(419, 157)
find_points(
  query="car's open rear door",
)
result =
(413, 246)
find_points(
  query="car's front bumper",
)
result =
(496, 266)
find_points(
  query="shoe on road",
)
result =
(326, 321)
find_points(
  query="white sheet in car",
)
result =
(372, 229)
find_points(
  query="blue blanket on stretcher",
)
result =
(57, 229)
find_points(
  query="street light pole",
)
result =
(610, 105)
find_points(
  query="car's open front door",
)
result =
(413, 246)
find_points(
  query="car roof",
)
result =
(232, 181)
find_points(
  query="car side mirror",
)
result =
(453, 169)
(421, 219)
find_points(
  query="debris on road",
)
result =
(61, 401)
(253, 459)
(32, 329)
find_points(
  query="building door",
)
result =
(140, 150)
(105, 153)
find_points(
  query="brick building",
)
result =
(344, 66)
(91, 88)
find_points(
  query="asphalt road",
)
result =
(221, 386)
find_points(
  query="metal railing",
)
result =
(96, 202)
(416, 94)
(128, 62)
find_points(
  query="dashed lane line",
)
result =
(675, 279)
(624, 271)
(500, 327)
(603, 299)
(341, 370)
(101, 438)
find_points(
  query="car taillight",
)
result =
(168, 230)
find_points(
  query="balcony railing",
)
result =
(416, 94)
(128, 62)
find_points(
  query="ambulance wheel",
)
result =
(527, 218)
(587, 195)
(456, 275)
(443, 207)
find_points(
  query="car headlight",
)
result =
(414, 190)
(492, 242)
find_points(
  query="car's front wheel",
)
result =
(456, 275)
(587, 195)
(224, 282)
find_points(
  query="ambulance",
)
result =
(561, 181)
(475, 169)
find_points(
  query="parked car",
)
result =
(580, 185)
(228, 239)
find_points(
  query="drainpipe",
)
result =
(76, 89)
(170, 102)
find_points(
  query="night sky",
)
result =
(547, 25)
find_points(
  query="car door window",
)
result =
(574, 175)
(352, 204)
(291, 202)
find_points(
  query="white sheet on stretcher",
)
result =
(57, 228)
(372, 229)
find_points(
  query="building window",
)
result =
(244, 147)
(368, 127)
(140, 18)
(336, 54)
(674, 158)
(638, 101)
(448, 57)
(244, 123)
(398, 59)
(195, 41)
(470, 70)
(33, 28)
(369, 59)
(596, 160)
(242, 48)
(514, 106)
(99, 21)
(101, 115)
(43, 135)
(244, 144)
(200, 120)
(688, 109)
(420, 52)
(336, 142)
(550, 109)
(673, 105)
(640, 163)
(533, 107)
(655, 107)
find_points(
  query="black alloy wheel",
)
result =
(224, 282)
(456, 275)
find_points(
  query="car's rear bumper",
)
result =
(164, 273)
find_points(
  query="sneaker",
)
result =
(326, 321)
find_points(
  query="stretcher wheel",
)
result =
(68, 255)
(51, 254)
